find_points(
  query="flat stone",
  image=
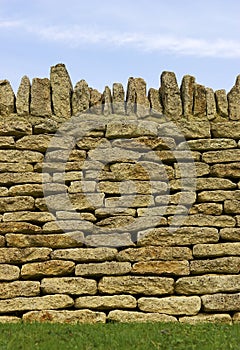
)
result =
(191, 129)
(68, 285)
(66, 226)
(209, 144)
(7, 98)
(230, 234)
(176, 268)
(108, 239)
(19, 178)
(46, 302)
(207, 284)
(155, 101)
(9, 290)
(102, 269)
(126, 128)
(170, 94)
(221, 302)
(215, 250)
(223, 156)
(85, 254)
(106, 302)
(15, 126)
(236, 317)
(218, 265)
(232, 206)
(80, 97)
(133, 316)
(7, 142)
(10, 319)
(18, 227)
(218, 195)
(211, 109)
(134, 201)
(231, 170)
(199, 169)
(229, 129)
(171, 305)
(3, 191)
(40, 98)
(28, 216)
(210, 183)
(47, 268)
(207, 318)
(20, 156)
(187, 91)
(136, 285)
(46, 125)
(17, 203)
(23, 97)
(118, 99)
(9, 272)
(18, 256)
(206, 209)
(221, 103)
(15, 167)
(200, 101)
(34, 142)
(205, 220)
(65, 316)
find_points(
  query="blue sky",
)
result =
(108, 41)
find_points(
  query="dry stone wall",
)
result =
(103, 272)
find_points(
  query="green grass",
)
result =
(152, 336)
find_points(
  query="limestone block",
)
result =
(182, 236)
(187, 91)
(222, 156)
(103, 212)
(192, 129)
(221, 302)
(45, 125)
(40, 98)
(126, 128)
(80, 97)
(15, 126)
(16, 178)
(85, 254)
(199, 169)
(102, 269)
(136, 285)
(67, 226)
(236, 317)
(23, 97)
(131, 316)
(218, 265)
(118, 99)
(231, 129)
(95, 101)
(18, 227)
(7, 98)
(207, 284)
(19, 288)
(20, 156)
(221, 103)
(2, 241)
(68, 285)
(34, 142)
(28, 216)
(154, 97)
(210, 183)
(207, 318)
(206, 209)
(10, 319)
(61, 88)
(231, 170)
(170, 94)
(7, 142)
(107, 101)
(3, 191)
(134, 201)
(209, 144)
(232, 206)
(46, 302)
(205, 220)
(211, 104)
(120, 154)
(230, 234)
(218, 195)
(91, 201)
(9, 272)
(215, 250)
(47, 268)
(234, 100)
(71, 215)
(88, 142)
(171, 305)
(109, 239)
(106, 302)
(200, 101)
(65, 316)
(177, 268)
(33, 190)
(19, 256)
(17, 203)
(16, 167)
(169, 156)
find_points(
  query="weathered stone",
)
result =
(103, 212)
(47, 268)
(7, 142)
(154, 253)
(102, 269)
(23, 97)
(9, 272)
(207, 284)
(28, 216)
(207, 318)
(221, 103)
(210, 183)
(191, 129)
(106, 302)
(218, 195)
(158, 211)
(20, 156)
(200, 101)
(40, 203)
(131, 128)
(145, 143)
(33, 190)
(69, 285)
(162, 268)
(65, 316)
(19, 288)
(90, 201)
(231, 129)
(2, 241)
(206, 209)
(71, 215)
(80, 97)
(15, 178)
(17, 203)
(118, 99)
(40, 98)
(170, 94)
(3, 191)
(208, 144)
(214, 250)
(18, 227)
(120, 154)
(204, 220)
(88, 142)
(232, 206)
(131, 97)
(170, 157)
(15, 126)
(10, 319)
(134, 201)
(34, 142)
(199, 169)
(221, 302)
(7, 98)
(231, 170)
(223, 156)
(19, 256)
(116, 222)
(67, 225)
(16, 167)
(182, 236)
(131, 316)
(139, 187)
(109, 239)
(107, 101)
(46, 125)
(230, 234)
(187, 91)
(36, 303)
(95, 101)
(234, 100)
(211, 104)
(171, 305)
(220, 265)
(154, 97)
(236, 317)
(61, 88)
(85, 254)
(136, 285)
(184, 198)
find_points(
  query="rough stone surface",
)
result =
(170, 93)
(68, 285)
(221, 302)
(211, 104)
(221, 103)
(10, 319)
(207, 318)
(47, 268)
(7, 98)
(223, 156)
(101, 269)
(234, 101)
(187, 91)
(19, 256)
(230, 234)
(106, 302)
(161, 267)
(154, 97)
(118, 99)
(23, 97)
(218, 265)
(40, 98)
(19, 288)
(107, 101)
(85, 254)
(215, 250)
(231, 129)
(200, 101)
(9, 272)
(80, 97)
(230, 170)
(131, 316)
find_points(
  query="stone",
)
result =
(182, 198)
(223, 156)
(106, 302)
(34, 142)
(182, 236)
(40, 98)
(46, 125)
(19, 256)
(215, 250)
(19, 227)
(67, 226)
(139, 187)
(108, 239)
(120, 154)
(210, 183)
(20, 156)
(133, 201)
(16, 167)
(231, 129)
(199, 169)
(221, 302)
(221, 103)
(211, 104)
(206, 209)
(145, 143)
(68, 285)
(9, 272)
(46, 302)
(103, 269)
(232, 206)
(218, 195)
(174, 305)
(7, 142)
(126, 128)
(204, 220)
(234, 101)
(207, 318)
(10, 319)
(2, 241)
(207, 284)
(236, 317)
(7, 98)
(80, 97)
(15, 289)
(15, 178)
(17, 203)
(95, 101)
(133, 316)
(208, 144)
(33, 190)
(231, 170)
(118, 99)
(85, 254)
(230, 234)
(191, 129)
(65, 316)
(89, 202)
(65, 215)
(219, 265)
(170, 94)
(177, 268)
(154, 253)
(131, 97)
(136, 285)
(154, 97)
(107, 101)
(187, 91)
(47, 268)
(200, 101)
(103, 212)
(28, 216)
(3, 191)
(61, 88)
(15, 126)
(87, 142)
(23, 97)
